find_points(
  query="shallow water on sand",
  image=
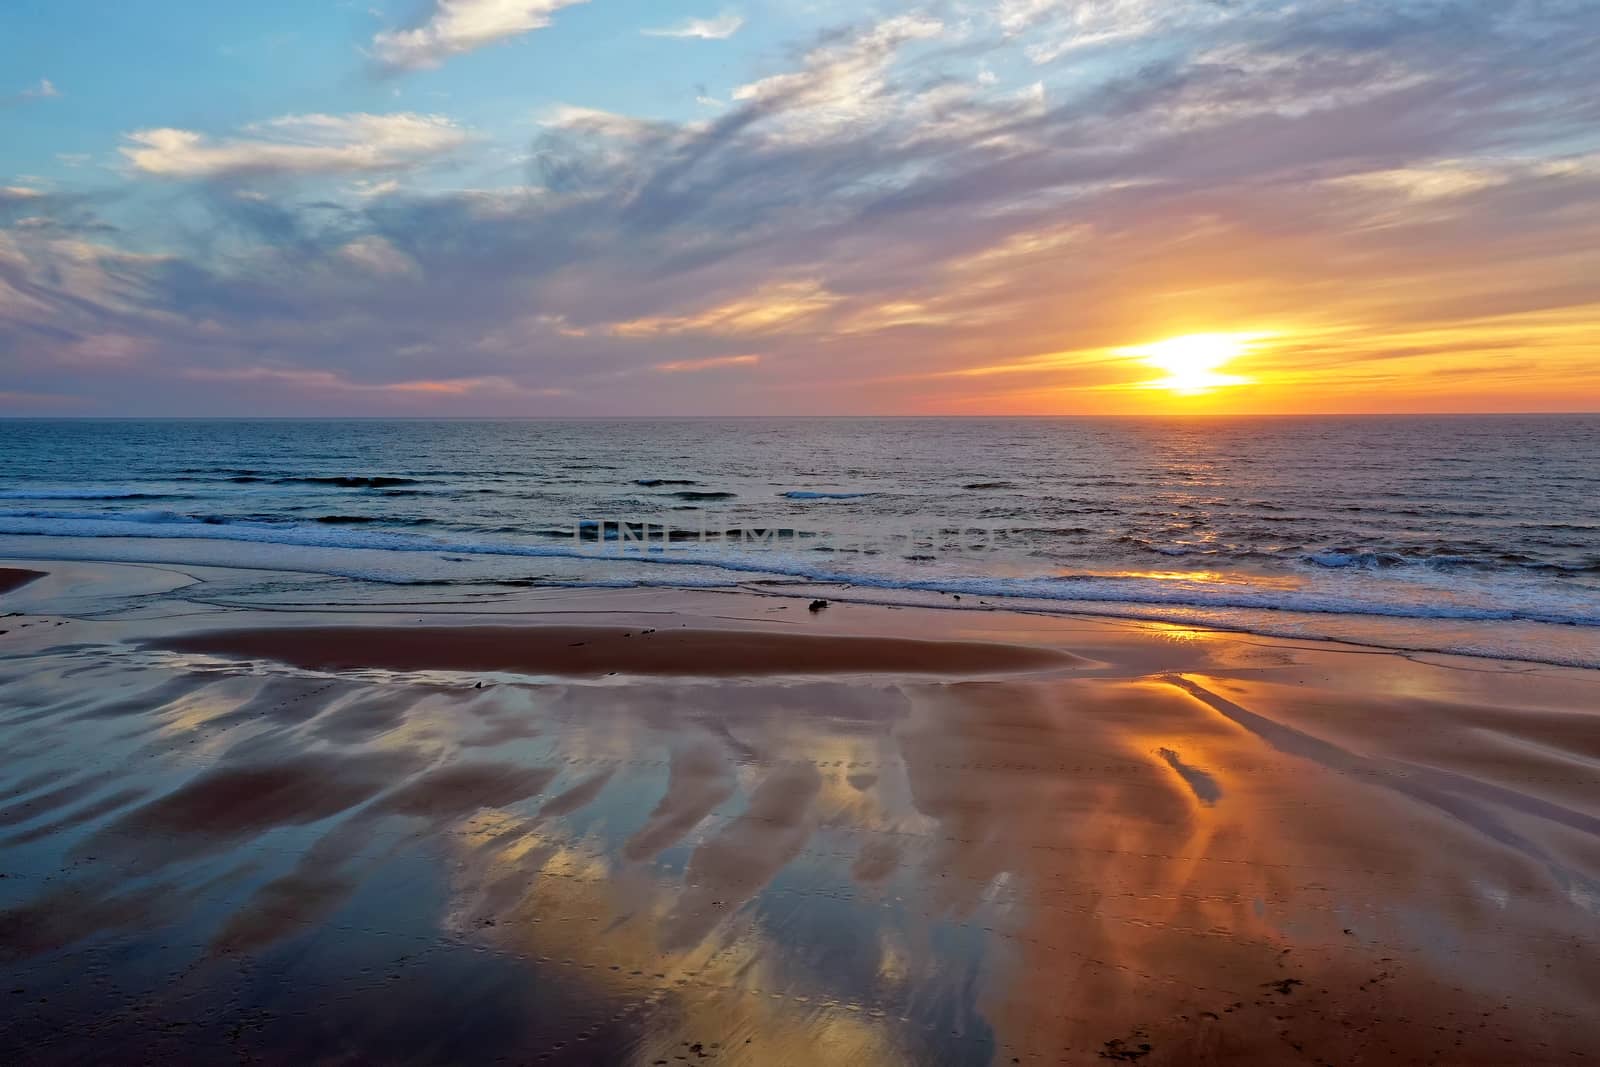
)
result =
(1183, 846)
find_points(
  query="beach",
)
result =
(653, 826)
(909, 534)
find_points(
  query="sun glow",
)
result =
(1192, 363)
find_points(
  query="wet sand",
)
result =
(757, 835)
(15, 578)
(587, 650)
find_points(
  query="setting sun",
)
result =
(1192, 363)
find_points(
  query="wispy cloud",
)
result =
(691, 366)
(379, 256)
(606, 124)
(720, 28)
(839, 83)
(297, 144)
(44, 89)
(455, 27)
(329, 381)
(766, 310)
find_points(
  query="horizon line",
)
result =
(931, 415)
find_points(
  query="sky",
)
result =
(690, 207)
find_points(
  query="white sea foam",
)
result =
(1505, 601)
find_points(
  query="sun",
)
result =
(1192, 363)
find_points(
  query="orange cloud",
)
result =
(767, 310)
(689, 366)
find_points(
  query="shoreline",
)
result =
(1509, 640)
(772, 836)
(512, 601)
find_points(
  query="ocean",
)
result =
(1467, 534)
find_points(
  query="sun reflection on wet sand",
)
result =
(1183, 849)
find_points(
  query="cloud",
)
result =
(692, 366)
(839, 83)
(455, 27)
(605, 123)
(329, 381)
(379, 256)
(771, 308)
(719, 28)
(297, 144)
(1065, 27)
(44, 89)
(1390, 190)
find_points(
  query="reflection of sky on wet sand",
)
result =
(807, 871)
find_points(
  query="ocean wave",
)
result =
(1532, 601)
(335, 481)
(1387, 560)
(1353, 559)
(183, 520)
(806, 494)
(349, 481)
(80, 494)
(91, 517)
(653, 483)
(252, 475)
(1164, 548)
